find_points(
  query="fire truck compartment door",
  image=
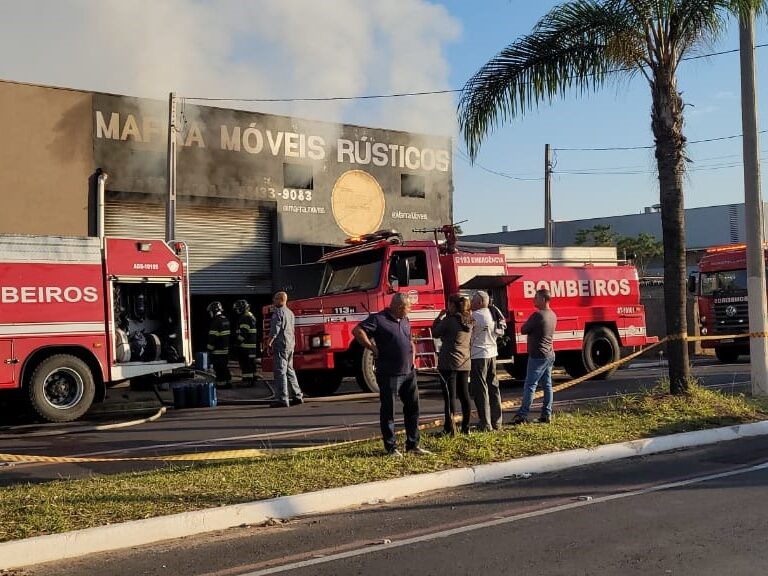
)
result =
(489, 282)
(7, 362)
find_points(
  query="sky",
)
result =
(306, 48)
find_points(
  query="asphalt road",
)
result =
(698, 512)
(243, 424)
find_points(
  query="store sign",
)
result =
(326, 181)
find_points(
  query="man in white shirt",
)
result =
(483, 352)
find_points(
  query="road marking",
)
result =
(501, 521)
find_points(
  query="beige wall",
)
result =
(46, 159)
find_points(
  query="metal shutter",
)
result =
(230, 249)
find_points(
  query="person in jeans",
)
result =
(540, 329)
(483, 352)
(388, 335)
(454, 328)
(282, 342)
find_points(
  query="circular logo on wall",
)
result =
(358, 203)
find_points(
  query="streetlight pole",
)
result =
(170, 204)
(753, 211)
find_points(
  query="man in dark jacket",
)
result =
(218, 344)
(247, 341)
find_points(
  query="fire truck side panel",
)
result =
(7, 370)
(581, 297)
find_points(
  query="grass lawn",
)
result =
(63, 505)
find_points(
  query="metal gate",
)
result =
(230, 248)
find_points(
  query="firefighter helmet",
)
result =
(241, 306)
(215, 308)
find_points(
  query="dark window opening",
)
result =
(297, 254)
(413, 186)
(417, 266)
(298, 176)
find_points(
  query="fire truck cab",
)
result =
(720, 287)
(598, 306)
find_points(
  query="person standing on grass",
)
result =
(540, 330)
(388, 335)
(282, 342)
(483, 379)
(454, 328)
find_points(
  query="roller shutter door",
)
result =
(230, 249)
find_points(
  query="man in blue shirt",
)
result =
(388, 335)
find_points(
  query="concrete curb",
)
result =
(40, 549)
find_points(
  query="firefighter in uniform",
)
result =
(247, 341)
(218, 344)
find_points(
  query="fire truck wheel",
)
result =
(726, 355)
(365, 372)
(61, 388)
(601, 347)
(319, 382)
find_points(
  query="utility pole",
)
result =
(170, 204)
(548, 236)
(753, 210)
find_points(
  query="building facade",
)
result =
(260, 198)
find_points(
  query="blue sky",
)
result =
(311, 48)
(617, 116)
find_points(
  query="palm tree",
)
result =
(584, 44)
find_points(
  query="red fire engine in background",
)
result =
(721, 291)
(79, 314)
(597, 303)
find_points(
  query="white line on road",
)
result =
(501, 521)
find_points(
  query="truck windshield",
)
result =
(354, 272)
(723, 281)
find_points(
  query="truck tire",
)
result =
(319, 382)
(365, 372)
(61, 388)
(726, 355)
(519, 368)
(600, 347)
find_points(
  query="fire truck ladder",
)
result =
(426, 352)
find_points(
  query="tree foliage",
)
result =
(582, 45)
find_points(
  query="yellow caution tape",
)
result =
(265, 453)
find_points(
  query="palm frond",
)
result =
(574, 46)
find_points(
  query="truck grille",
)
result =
(737, 323)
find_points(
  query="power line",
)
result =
(423, 92)
(464, 156)
(651, 147)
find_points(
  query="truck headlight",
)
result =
(703, 319)
(704, 331)
(320, 341)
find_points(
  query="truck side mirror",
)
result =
(403, 270)
(692, 283)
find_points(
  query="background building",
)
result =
(704, 227)
(260, 197)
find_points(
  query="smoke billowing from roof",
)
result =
(243, 48)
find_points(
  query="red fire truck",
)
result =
(721, 290)
(79, 314)
(598, 304)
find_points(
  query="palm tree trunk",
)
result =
(667, 124)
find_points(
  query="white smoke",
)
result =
(242, 48)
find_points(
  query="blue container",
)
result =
(181, 396)
(207, 395)
(201, 361)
